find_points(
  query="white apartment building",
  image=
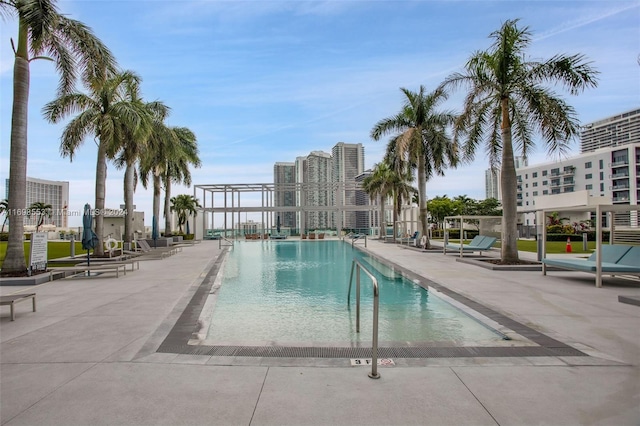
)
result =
(612, 172)
(53, 192)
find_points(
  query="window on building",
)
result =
(544, 182)
(588, 186)
(545, 192)
(535, 184)
(601, 175)
(544, 173)
(588, 176)
(535, 193)
(555, 172)
(601, 187)
(601, 163)
(534, 175)
(587, 165)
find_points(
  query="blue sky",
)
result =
(261, 82)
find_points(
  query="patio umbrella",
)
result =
(278, 224)
(89, 238)
(188, 228)
(154, 231)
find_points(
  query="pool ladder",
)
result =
(228, 242)
(376, 296)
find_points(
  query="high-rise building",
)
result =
(317, 171)
(52, 192)
(284, 179)
(348, 162)
(618, 130)
(492, 187)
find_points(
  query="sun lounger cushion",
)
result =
(611, 253)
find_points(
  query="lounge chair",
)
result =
(617, 259)
(479, 243)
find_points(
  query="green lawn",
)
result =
(55, 249)
(552, 246)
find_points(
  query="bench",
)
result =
(90, 268)
(135, 263)
(15, 298)
(479, 243)
(617, 259)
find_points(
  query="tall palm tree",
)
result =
(184, 205)
(4, 209)
(163, 144)
(41, 211)
(378, 184)
(132, 150)
(400, 181)
(43, 32)
(508, 100)
(177, 168)
(109, 113)
(420, 139)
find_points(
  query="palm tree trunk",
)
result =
(129, 216)
(167, 205)
(383, 224)
(422, 197)
(17, 196)
(156, 200)
(101, 183)
(509, 187)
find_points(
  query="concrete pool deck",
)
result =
(88, 356)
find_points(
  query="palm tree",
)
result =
(4, 209)
(177, 168)
(109, 113)
(184, 205)
(132, 150)
(507, 101)
(43, 32)
(421, 140)
(378, 184)
(163, 144)
(41, 211)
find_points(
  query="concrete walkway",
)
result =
(88, 357)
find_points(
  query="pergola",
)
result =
(226, 199)
(623, 218)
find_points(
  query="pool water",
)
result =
(294, 293)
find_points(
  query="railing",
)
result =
(358, 237)
(376, 295)
(229, 242)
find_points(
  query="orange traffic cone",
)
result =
(568, 245)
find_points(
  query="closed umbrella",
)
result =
(278, 224)
(89, 238)
(188, 228)
(154, 231)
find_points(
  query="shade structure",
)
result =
(278, 224)
(154, 230)
(89, 238)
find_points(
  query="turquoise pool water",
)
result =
(294, 293)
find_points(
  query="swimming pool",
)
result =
(294, 293)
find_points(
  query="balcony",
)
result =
(620, 163)
(622, 175)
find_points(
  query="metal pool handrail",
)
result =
(376, 295)
(354, 239)
(229, 242)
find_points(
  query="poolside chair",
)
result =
(479, 243)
